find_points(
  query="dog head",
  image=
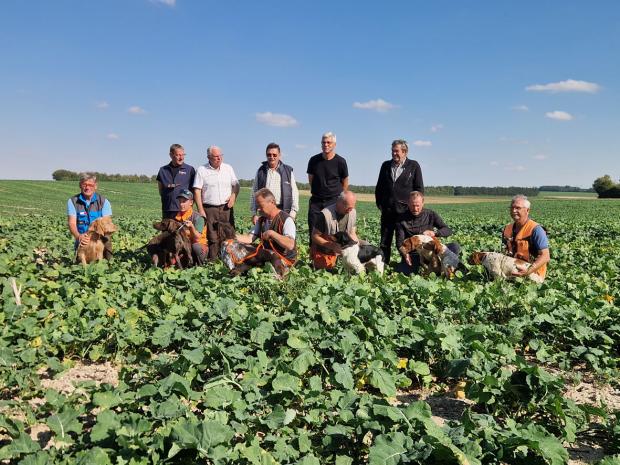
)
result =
(476, 258)
(167, 224)
(225, 231)
(343, 239)
(103, 226)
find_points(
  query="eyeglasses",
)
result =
(88, 184)
(272, 155)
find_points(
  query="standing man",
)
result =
(328, 176)
(420, 220)
(339, 216)
(526, 239)
(215, 191)
(173, 178)
(397, 178)
(279, 179)
(86, 207)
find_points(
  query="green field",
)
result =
(120, 363)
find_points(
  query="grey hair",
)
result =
(342, 197)
(265, 194)
(174, 147)
(87, 177)
(402, 143)
(210, 149)
(416, 194)
(523, 198)
(329, 135)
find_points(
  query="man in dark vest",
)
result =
(86, 207)
(398, 177)
(172, 179)
(279, 179)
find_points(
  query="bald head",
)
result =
(345, 202)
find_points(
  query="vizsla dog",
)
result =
(170, 247)
(501, 266)
(99, 232)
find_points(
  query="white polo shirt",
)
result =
(217, 184)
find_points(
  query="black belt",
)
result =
(206, 205)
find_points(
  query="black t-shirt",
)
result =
(411, 225)
(327, 176)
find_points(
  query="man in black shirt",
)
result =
(397, 178)
(172, 179)
(420, 220)
(328, 176)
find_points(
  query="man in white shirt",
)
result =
(215, 190)
(279, 179)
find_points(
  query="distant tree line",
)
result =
(563, 189)
(66, 175)
(606, 188)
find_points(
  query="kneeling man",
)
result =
(339, 216)
(526, 239)
(194, 226)
(277, 233)
(420, 220)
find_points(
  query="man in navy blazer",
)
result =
(398, 177)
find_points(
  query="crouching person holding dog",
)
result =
(85, 208)
(420, 220)
(340, 216)
(277, 233)
(194, 226)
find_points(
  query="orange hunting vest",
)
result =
(518, 245)
(189, 215)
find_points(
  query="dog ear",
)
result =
(437, 245)
(158, 225)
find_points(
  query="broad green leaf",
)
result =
(343, 375)
(107, 423)
(285, 382)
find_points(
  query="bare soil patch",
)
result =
(68, 380)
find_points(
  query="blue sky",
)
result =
(486, 92)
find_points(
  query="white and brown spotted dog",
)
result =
(502, 266)
(435, 257)
(99, 232)
(358, 258)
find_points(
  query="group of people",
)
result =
(214, 188)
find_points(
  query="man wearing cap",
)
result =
(215, 190)
(194, 226)
(172, 179)
(398, 177)
(86, 207)
(279, 179)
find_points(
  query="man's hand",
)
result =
(429, 233)
(231, 200)
(267, 235)
(293, 214)
(254, 219)
(84, 239)
(408, 260)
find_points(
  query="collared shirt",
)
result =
(217, 184)
(274, 184)
(397, 169)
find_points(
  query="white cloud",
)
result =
(279, 120)
(436, 127)
(379, 105)
(113, 136)
(512, 167)
(136, 110)
(540, 156)
(301, 146)
(494, 163)
(559, 115)
(521, 108)
(103, 105)
(170, 3)
(422, 143)
(570, 85)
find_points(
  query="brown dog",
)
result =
(429, 250)
(170, 247)
(99, 232)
